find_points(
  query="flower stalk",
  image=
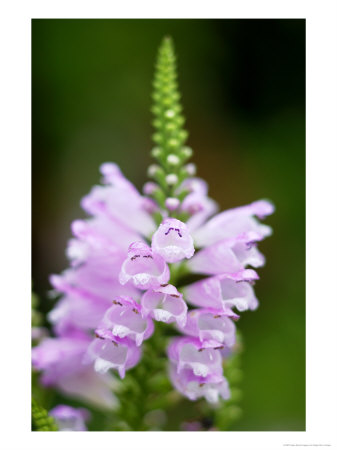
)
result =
(170, 136)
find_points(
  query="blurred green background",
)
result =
(243, 86)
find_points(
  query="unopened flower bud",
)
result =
(156, 152)
(152, 170)
(173, 143)
(186, 152)
(149, 188)
(169, 113)
(172, 203)
(173, 159)
(191, 169)
(171, 179)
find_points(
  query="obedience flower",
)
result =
(144, 267)
(130, 263)
(165, 304)
(173, 241)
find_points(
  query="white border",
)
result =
(321, 221)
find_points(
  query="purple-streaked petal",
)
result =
(212, 327)
(194, 387)
(165, 304)
(224, 292)
(124, 319)
(145, 268)
(173, 241)
(112, 353)
(190, 353)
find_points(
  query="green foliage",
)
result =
(146, 391)
(170, 135)
(229, 411)
(41, 421)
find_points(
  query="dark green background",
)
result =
(243, 85)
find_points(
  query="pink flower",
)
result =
(145, 268)
(124, 319)
(108, 352)
(234, 222)
(230, 255)
(212, 327)
(224, 292)
(173, 241)
(164, 304)
(190, 353)
(194, 387)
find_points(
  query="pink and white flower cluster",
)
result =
(118, 284)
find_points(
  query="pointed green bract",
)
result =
(170, 136)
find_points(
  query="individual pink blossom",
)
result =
(124, 319)
(164, 304)
(108, 352)
(190, 353)
(224, 292)
(173, 241)
(233, 222)
(145, 268)
(212, 387)
(212, 327)
(229, 255)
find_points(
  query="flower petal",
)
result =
(173, 241)
(165, 304)
(212, 327)
(112, 354)
(194, 387)
(224, 292)
(229, 255)
(124, 319)
(146, 269)
(235, 221)
(119, 201)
